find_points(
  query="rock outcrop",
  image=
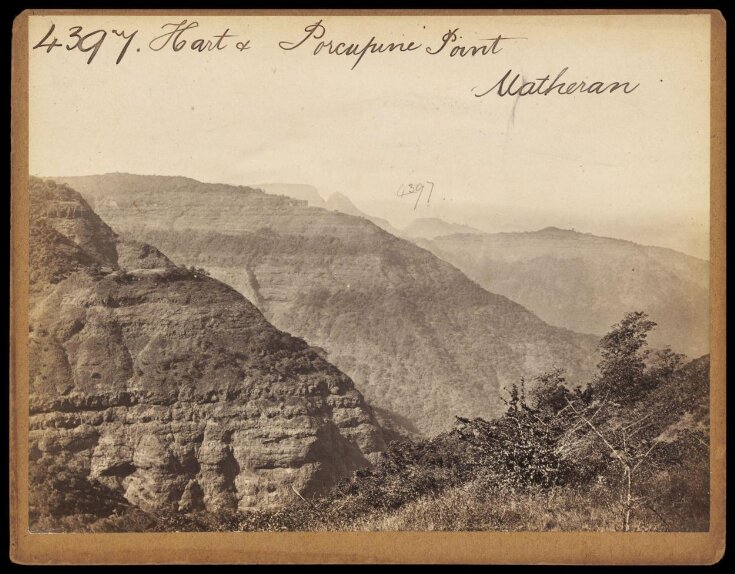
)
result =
(421, 341)
(168, 387)
(307, 193)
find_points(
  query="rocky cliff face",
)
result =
(421, 341)
(586, 283)
(168, 387)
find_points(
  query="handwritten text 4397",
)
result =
(176, 36)
(86, 42)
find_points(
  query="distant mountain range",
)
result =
(421, 341)
(585, 283)
(166, 389)
(419, 228)
(340, 202)
(432, 227)
(335, 202)
(574, 280)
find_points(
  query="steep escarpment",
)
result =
(586, 283)
(161, 387)
(420, 340)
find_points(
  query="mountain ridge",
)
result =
(418, 337)
(340, 202)
(308, 193)
(166, 388)
(586, 282)
(432, 227)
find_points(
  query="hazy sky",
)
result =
(634, 166)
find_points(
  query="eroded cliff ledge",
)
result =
(169, 387)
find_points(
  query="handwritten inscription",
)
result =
(489, 46)
(510, 85)
(177, 38)
(417, 189)
(315, 32)
(186, 35)
(85, 42)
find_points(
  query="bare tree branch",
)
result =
(615, 451)
(645, 455)
(640, 420)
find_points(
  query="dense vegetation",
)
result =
(629, 451)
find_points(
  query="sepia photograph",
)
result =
(331, 272)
